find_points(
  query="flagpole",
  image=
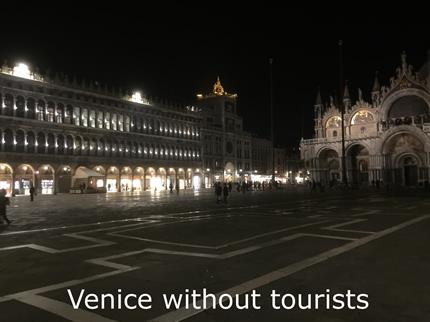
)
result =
(272, 125)
(342, 110)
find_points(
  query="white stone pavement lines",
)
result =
(33, 297)
(246, 287)
(367, 213)
(96, 241)
(182, 314)
(62, 309)
(69, 227)
(119, 220)
(336, 227)
(119, 234)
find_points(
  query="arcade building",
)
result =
(387, 138)
(60, 135)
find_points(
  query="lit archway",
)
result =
(138, 179)
(6, 178)
(112, 179)
(46, 179)
(24, 179)
(64, 178)
(126, 179)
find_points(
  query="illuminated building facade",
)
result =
(386, 138)
(226, 147)
(57, 135)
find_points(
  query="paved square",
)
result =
(293, 241)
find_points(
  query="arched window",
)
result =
(334, 133)
(361, 117)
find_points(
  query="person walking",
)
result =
(4, 201)
(225, 192)
(218, 192)
(171, 187)
(177, 187)
(31, 193)
(230, 187)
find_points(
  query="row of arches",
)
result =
(53, 143)
(50, 111)
(401, 160)
(50, 178)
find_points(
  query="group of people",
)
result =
(222, 190)
(176, 187)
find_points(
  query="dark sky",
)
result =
(176, 51)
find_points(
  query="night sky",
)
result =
(177, 51)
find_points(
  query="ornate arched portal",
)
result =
(358, 164)
(329, 165)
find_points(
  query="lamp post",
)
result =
(342, 111)
(272, 125)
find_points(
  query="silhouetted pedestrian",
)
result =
(171, 187)
(177, 188)
(4, 201)
(225, 192)
(218, 192)
(31, 193)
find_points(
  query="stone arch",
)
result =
(51, 143)
(64, 178)
(31, 108)
(61, 143)
(101, 147)
(46, 179)
(388, 102)
(24, 179)
(8, 104)
(50, 112)
(31, 142)
(162, 175)
(138, 179)
(357, 163)
(60, 113)
(20, 106)
(329, 165)
(41, 142)
(396, 147)
(126, 183)
(100, 169)
(150, 177)
(40, 110)
(112, 179)
(78, 145)
(19, 141)
(8, 140)
(6, 176)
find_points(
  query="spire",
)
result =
(376, 91)
(318, 101)
(346, 97)
(346, 92)
(218, 89)
(376, 86)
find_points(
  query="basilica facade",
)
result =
(387, 138)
